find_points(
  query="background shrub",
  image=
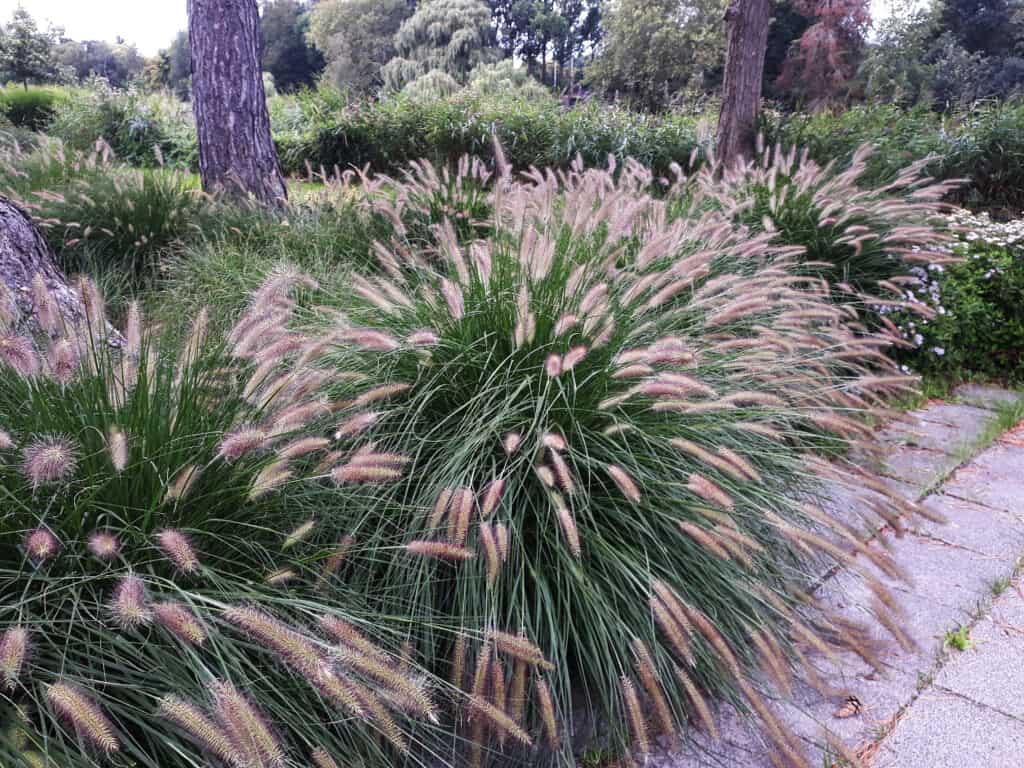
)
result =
(142, 129)
(978, 327)
(32, 108)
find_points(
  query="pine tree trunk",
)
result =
(24, 253)
(236, 151)
(747, 25)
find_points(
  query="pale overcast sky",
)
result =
(150, 24)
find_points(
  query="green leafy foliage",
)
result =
(449, 36)
(141, 129)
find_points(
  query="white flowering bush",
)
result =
(972, 324)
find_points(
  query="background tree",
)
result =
(119, 63)
(747, 24)
(287, 55)
(899, 66)
(787, 26)
(26, 52)
(821, 65)
(172, 67)
(357, 38)
(451, 36)
(655, 49)
(980, 26)
(236, 152)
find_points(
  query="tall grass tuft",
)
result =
(137, 622)
(863, 239)
(592, 429)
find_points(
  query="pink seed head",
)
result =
(117, 445)
(130, 605)
(14, 649)
(49, 460)
(242, 441)
(104, 545)
(63, 361)
(6, 441)
(83, 715)
(17, 353)
(41, 545)
(553, 366)
(180, 622)
(178, 548)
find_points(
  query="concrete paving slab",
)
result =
(994, 478)
(930, 435)
(916, 712)
(986, 396)
(991, 671)
(986, 530)
(921, 468)
(965, 417)
(942, 730)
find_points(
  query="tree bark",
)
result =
(24, 253)
(236, 151)
(747, 40)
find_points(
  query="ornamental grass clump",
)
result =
(587, 455)
(863, 239)
(140, 522)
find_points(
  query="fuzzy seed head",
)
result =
(208, 734)
(182, 483)
(49, 460)
(511, 443)
(83, 715)
(130, 605)
(242, 442)
(177, 547)
(62, 361)
(18, 354)
(246, 727)
(14, 649)
(322, 759)
(41, 545)
(269, 479)
(293, 648)
(180, 622)
(6, 441)
(117, 447)
(440, 550)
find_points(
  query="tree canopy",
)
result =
(451, 36)
(26, 51)
(287, 55)
(357, 38)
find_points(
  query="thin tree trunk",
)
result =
(236, 151)
(747, 24)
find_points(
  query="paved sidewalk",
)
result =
(936, 706)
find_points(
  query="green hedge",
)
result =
(533, 132)
(30, 108)
(983, 145)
